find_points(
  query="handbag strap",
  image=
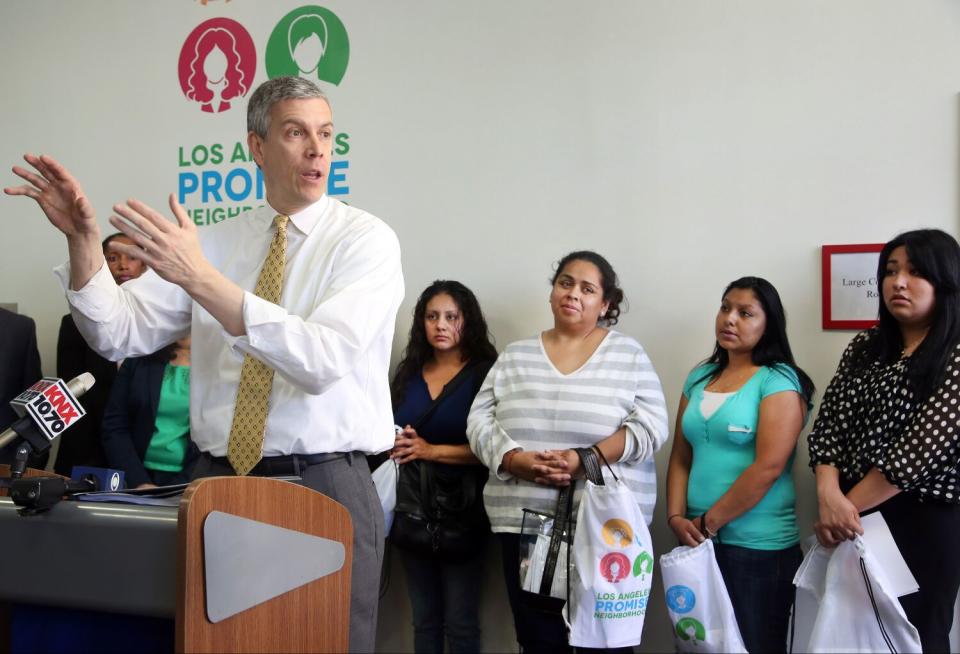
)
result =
(448, 390)
(561, 525)
(590, 458)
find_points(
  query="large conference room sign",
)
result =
(851, 290)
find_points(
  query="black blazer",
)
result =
(130, 418)
(19, 368)
(19, 360)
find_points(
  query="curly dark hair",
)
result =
(612, 293)
(476, 344)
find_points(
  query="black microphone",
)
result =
(45, 407)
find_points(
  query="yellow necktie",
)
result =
(245, 448)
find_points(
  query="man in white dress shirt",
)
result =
(327, 340)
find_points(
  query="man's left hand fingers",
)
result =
(183, 218)
(150, 215)
(130, 228)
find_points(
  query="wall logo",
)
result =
(309, 42)
(217, 64)
(217, 181)
(681, 599)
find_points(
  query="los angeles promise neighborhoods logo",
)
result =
(216, 68)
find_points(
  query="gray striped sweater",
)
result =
(526, 402)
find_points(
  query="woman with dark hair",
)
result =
(578, 384)
(730, 472)
(449, 344)
(887, 435)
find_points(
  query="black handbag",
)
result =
(439, 511)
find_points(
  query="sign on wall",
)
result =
(851, 290)
(217, 64)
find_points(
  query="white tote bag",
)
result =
(844, 604)
(385, 479)
(698, 602)
(613, 569)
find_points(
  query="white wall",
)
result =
(691, 142)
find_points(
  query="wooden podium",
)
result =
(313, 617)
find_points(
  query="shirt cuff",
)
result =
(257, 312)
(94, 295)
(629, 444)
(506, 447)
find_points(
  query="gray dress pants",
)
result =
(348, 482)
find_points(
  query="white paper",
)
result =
(854, 293)
(880, 543)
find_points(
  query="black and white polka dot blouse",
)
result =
(869, 418)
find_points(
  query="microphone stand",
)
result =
(37, 494)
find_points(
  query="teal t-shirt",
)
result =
(724, 445)
(171, 432)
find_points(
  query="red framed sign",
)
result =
(851, 290)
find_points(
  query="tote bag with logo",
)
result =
(698, 602)
(612, 571)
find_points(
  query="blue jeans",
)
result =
(445, 598)
(760, 584)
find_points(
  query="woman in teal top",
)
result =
(730, 471)
(146, 425)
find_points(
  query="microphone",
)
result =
(50, 405)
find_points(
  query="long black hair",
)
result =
(773, 347)
(609, 283)
(935, 255)
(476, 344)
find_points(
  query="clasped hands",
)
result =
(409, 446)
(548, 467)
(839, 519)
(171, 249)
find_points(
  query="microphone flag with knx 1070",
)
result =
(51, 404)
(46, 409)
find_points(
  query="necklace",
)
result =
(910, 348)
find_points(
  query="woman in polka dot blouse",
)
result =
(887, 435)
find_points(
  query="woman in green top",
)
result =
(146, 425)
(730, 471)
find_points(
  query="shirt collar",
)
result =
(306, 219)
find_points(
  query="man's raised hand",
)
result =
(171, 249)
(59, 195)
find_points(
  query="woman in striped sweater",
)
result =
(578, 384)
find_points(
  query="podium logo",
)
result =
(217, 64)
(309, 42)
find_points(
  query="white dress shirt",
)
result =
(329, 339)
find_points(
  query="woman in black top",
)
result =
(449, 341)
(887, 437)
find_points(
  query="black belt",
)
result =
(288, 464)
